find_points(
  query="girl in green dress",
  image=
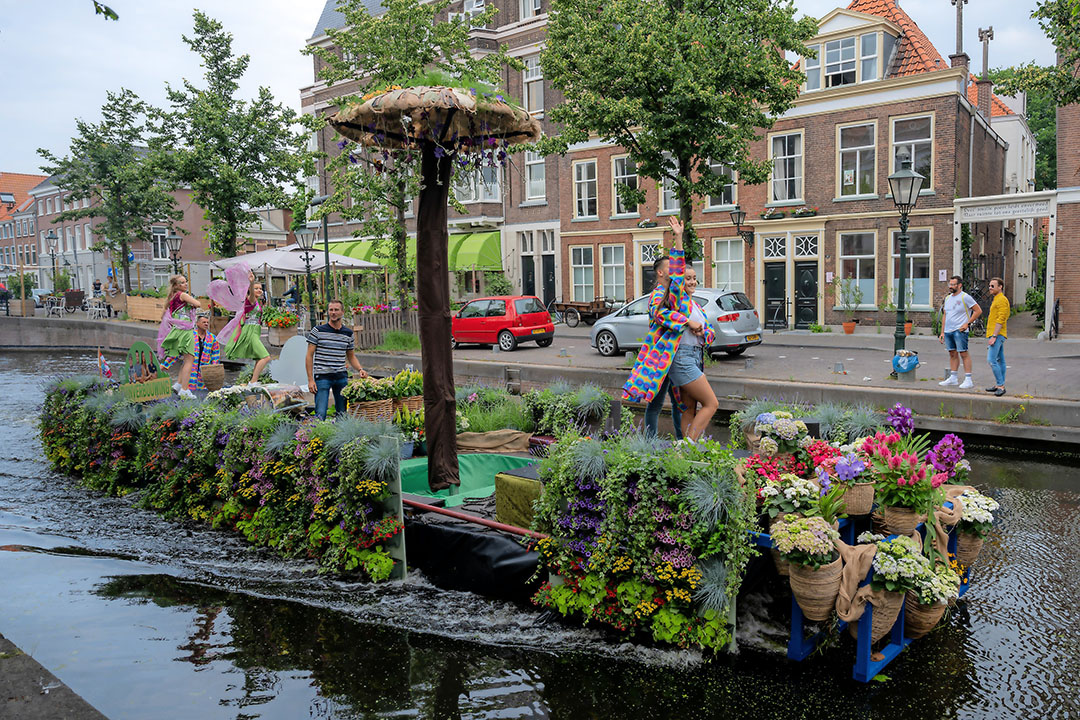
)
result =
(175, 338)
(247, 344)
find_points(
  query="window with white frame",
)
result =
(856, 150)
(535, 176)
(613, 271)
(533, 84)
(85, 203)
(624, 172)
(727, 194)
(159, 246)
(530, 8)
(868, 55)
(728, 264)
(812, 68)
(913, 138)
(525, 239)
(70, 239)
(918, 270)
(585, 189)
(669, 200)
(840, 62)
(581, 274)
(806, 245)
(775, 246)
(787, 174)
(857, 264)
(547, 241)
(88, 236)
(33, 255)
(48, 206)
(78, 238)
(477, 185)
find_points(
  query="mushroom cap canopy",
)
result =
(457, 119)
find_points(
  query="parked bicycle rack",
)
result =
(800, 647)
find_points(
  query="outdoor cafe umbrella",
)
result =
(443, 126)
(290, 260)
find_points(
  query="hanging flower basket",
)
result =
(805, 212)
(920, 619)
(815, 589)
(884, 617)
(771, 214)
(968, 546)
(859, 499)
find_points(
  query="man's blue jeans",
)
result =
(652, 411)
(323, 385)
(995, 356)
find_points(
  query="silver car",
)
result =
(731, 315)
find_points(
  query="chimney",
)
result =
(984, 88)
(959, 60)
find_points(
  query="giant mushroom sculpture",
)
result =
(444, 125)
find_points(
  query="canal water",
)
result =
(148, 619)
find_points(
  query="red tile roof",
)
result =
(20, 185)
(997, 107)
(915, 53)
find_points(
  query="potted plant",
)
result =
(807, 544)
(772, 214)
(849, 296)
(851, 473)
(974, 526)
(788, 495)
(805, 211)
(21, 288)
(904, 485)
(282, 324)
(926, 602)
(780, 433)
(370, 398)
(898, 566)
(411, 425)
(408, 390)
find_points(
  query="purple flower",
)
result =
(900, 419)
(341, 144)
(946, 454)
(849, 468)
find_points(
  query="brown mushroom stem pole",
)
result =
(433, 302)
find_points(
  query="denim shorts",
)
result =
(687, 365)
(956, 340)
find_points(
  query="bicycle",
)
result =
(556, 316)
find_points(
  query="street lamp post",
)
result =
(905, 185)
(174, 250)
(738, 215)
(305, 238)
(51, 239)
(326, 247)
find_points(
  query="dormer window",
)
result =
(840, 62)
(868, 57)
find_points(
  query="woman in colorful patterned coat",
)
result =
(677, 321)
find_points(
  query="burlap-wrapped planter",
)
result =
(753, 440)
(900, 520)
(815, 589)
(884, 617)
(213, 376)
(920, 619)
(968, 547)
(859, 499)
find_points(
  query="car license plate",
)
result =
(752, 338)
(538, 331)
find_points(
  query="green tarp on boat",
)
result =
(478, 473)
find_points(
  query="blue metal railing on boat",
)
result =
(866, 667)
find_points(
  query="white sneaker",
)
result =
(176, 387)
(951, 380)
(967, 384)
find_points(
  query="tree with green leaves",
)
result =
(678, 83)
(1060, 20)
(406, 44)
(236, 155)
(109, 164)
(101, 8)
(1041, 113)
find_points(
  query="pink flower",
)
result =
(921, 474)
(901, 481)
(894, 463)
(937, 480)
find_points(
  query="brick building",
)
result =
(1063, 267)
(17, 222)
(878, 91)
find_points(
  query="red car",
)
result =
(505, 320)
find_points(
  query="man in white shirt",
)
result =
(958, 311)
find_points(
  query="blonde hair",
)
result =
(174, 285)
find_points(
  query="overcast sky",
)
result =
(58, 58)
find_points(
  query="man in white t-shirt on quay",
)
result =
(957, 312)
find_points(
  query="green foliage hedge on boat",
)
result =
(314, 489)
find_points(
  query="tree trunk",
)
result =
(686, 212)
(401, 258)
(433, 297)
(125, 265)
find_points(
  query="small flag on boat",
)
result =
(103, 367)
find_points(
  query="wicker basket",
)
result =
(213, 376)
(920, 619)
(859, 499)
(413, 403)
(968, 546)
(900, 520)
(373, 409)
(884, 617)
(782, 566)
(815, 589)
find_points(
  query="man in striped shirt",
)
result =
(330, 347)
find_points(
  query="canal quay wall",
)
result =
(1056, 421)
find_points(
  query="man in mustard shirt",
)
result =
(996, 323)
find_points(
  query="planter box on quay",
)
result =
(145, 309)
(370, 329)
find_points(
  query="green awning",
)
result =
(477, 251)
(365, 250)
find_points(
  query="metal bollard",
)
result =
(838, 368)
(748, 363)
